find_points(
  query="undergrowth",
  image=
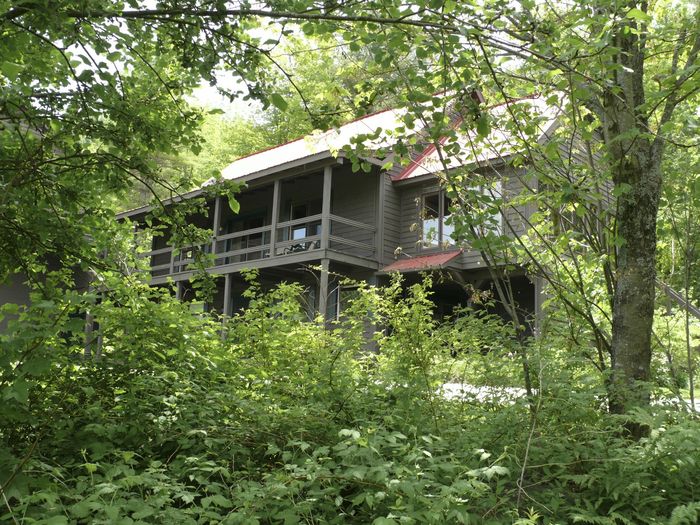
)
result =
(279, 420)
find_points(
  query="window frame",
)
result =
(338, 303)
(441, 217)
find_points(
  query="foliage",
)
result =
(283, 421)
(92, 98)
(317, 83)
(280, 420)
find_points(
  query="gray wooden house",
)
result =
(303, 207)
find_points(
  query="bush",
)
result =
(279, 420)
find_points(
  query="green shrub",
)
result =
(280, 420)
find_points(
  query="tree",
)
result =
(89, 71)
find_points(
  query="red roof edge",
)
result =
(430, 148)
(427, 151)
(404, 174)
(431, 261)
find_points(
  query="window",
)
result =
(299, 211)
(435, 214)
(303, 230)
(339, 299)
(242, 223)
(485, 215)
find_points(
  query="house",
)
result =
(304, 207)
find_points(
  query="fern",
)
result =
(686, 514)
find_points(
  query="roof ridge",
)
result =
(302, 137)
(358, 119)
(427, 151)
(415, 163)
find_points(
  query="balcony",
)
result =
(287, 221)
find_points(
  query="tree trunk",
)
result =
(639, 178)
(636, 171)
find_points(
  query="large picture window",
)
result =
(435, 216)
(437, 227)
(299, 211)
(490, 219)
(302, 230)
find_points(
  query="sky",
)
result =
(208, 96)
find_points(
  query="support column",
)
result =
(227, 295)
(227, 305)
(323, 288)
(275, 216)
(539, 299)
(88, 340)
(326, 209)
(178, 290)
(217, 223)
(379, 232)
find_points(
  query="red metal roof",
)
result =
(497, 145)
(422, 262)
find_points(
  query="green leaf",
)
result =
(36, 366)
(483, 127)
(234, 204)
(278, 101)
(54, 520)
(621, 189)
(217, 500)
(10, 308)
(348, 432)
(11, 70)
(638, 14)
(18, 390)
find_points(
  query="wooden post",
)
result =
(326, 210)
(539, 292)
(275, 216)
(227, 305)
(178, 290)
(227, 295)
(379, 232)
(217, 223)
(89, 326)
(323, 288)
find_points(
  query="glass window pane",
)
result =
(431, 206)
(299, 233)
(447, 226)
(431, 232)
(448, 232)
(430, 215)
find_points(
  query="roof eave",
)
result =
(493, 163)
(291, 165)
(252, 177)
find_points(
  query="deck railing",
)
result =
(345, 235)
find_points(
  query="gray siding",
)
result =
(410, 234)
(512, 184)
(354, 196)
(392, 218)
